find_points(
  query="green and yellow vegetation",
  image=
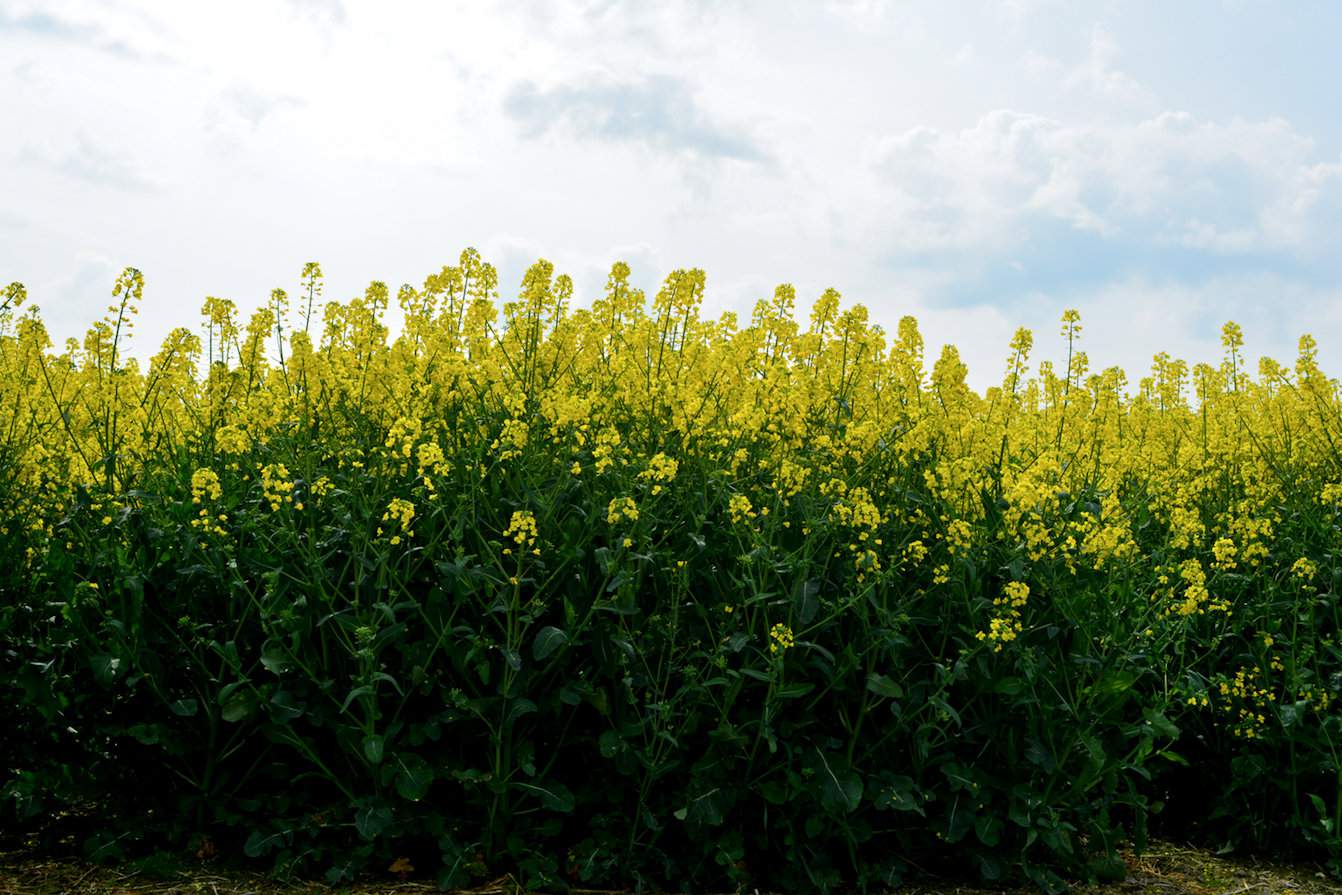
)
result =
(621, 594)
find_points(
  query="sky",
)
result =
(1162, 167)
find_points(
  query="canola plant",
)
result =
(622, 594)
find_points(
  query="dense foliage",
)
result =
(625, 595)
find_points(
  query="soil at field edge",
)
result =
(1164, 869)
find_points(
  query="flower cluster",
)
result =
(1005, 625)
(400, 513)
(621, 509)
(661, 470)
(277, 487)
(740, 508)
(205, 486)
(522, 531)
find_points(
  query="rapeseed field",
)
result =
(617, 593)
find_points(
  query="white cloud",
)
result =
(980, 173)
(657, 111)
(92, 164)
(1170, 180)
(331, 12)
(1100, 73)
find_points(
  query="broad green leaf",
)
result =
(518, 709)
(105, 667)
(1162, 725)
(238, 706)
(554, 796)
(548, 639)
(275, 658)
(371, 820)
(988, 828)
(413, 776)
(610, 743)
(261, 843)
(899, 793)
(285, 706)
(185, 708)
(840, 786)
(884, 687)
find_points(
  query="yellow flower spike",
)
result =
(621, 509)
(205, 486)
(522, 529)
(740, 509)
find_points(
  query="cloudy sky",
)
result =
(1163, 167)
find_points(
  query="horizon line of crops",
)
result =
(623, 595)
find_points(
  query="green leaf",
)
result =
(1162, 725)
(383, 676)
(148, 734)
(1038, 754)
(961, 822)
(372, 749)
(989, 829)
(238, 706)
(610, 744)
(899, 793)
(343, 870)
(285, 706)
(806, 599)
(518, 709)
(840, 787)
(1114, 683)
(275, 657)
(371, 820)
(1108, 868)
(774, 792)
(105, 667)
(1019, 814)
(883, 686)
(184, 708)
(554, 796)
(548, 639)
(413, 776)
(707, 809)
(259, 843)
(355, 693)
